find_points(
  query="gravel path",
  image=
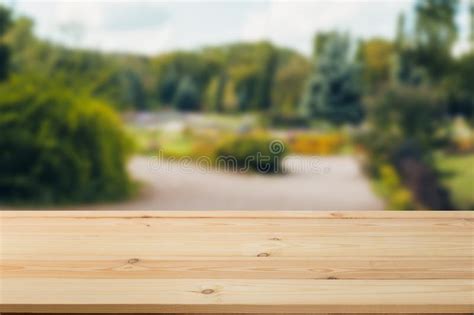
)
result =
(329, 183)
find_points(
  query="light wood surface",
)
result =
(236, 262)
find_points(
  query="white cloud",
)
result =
(106, 25)
(155, 26)
(463, 45)
(295, 23)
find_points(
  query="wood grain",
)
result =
(236, 262)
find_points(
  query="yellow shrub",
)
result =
(389, 176)
(401, 199)
(316, 144)
(392, 189)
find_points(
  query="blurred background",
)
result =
(322, 105)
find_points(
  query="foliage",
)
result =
(457, 174)
(317, 144)
(435, 35)
(292, 73)
(219, 147)
(249, 70)
(253, 151)
(458, 87)
(187, 95)
(266, 78)
(118, 79)
(389, 185)
(58, 146)
(333, 91)
(461, 136)
(403, 132)
(375, 56)
(5, 22)
(320, 41)
(4, 61)
(229, 78)
(5, 19)
(168, 86)
(405, 69)
(403, 114)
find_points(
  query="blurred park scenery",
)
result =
(368, 122)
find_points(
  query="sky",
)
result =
(151, 27)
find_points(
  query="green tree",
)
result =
(187, 95)
(320, 41)
(333, 91)
(375, 56)
(5, 22)
(404, 69)
(59, 146)
(458, 87)
(289, 84)
(219, 96)
(134, 91)
(214, 95)
(246, 78)
(168, 86)
(171, 68)
(266, 79)
(210, 96)
(402, 131)
(435, 35)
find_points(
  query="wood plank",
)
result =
(225, 246)
(314, 227)
(242, 269)
(212, 295)
(223, 262)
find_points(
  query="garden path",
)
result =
(326, 183)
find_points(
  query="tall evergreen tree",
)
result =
(134, 91)
(319, 42)
(167, 86)
(219, 97)
(435, 34)
(333, 91)
(405, 69)
(187, 95)
(5, 22)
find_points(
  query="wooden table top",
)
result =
(237, 262)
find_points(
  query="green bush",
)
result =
(389, 185)
(458, 177)
(255, 152)
(404, 114)
(404, 127)
(58, 147)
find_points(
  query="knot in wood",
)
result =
(207, 291)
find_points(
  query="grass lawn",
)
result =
(458, 176)
(171, 144)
